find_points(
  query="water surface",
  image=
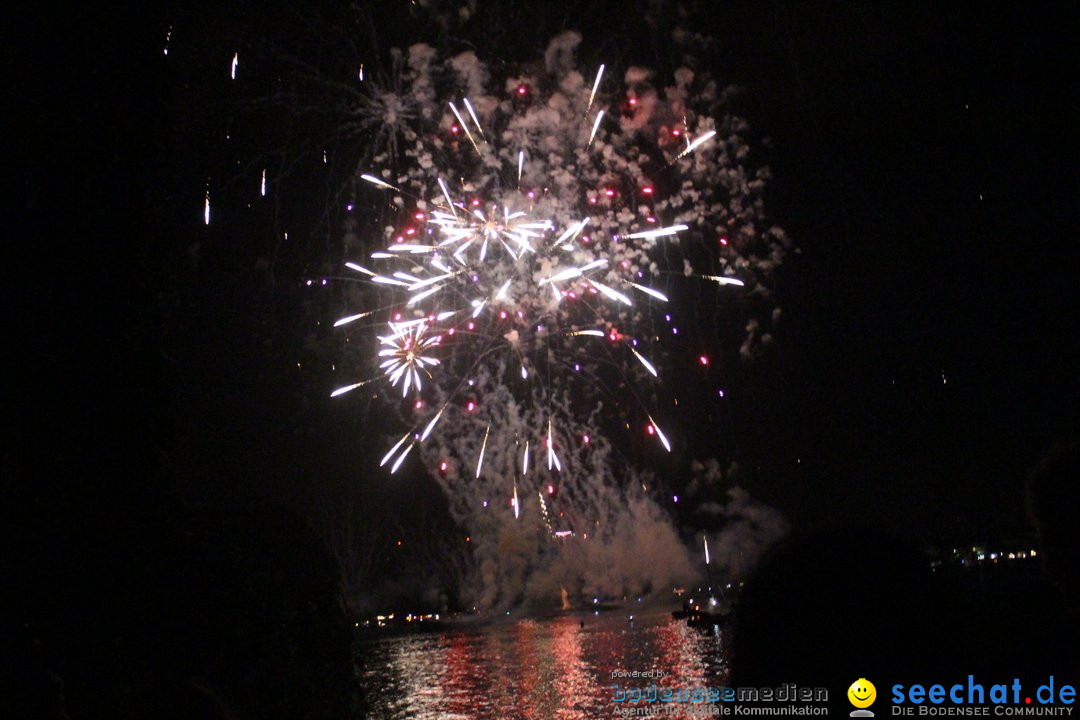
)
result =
(552, 668)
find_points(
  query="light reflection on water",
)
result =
(533, 669)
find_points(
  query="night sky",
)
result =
(923, 162)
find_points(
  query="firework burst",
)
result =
(404, 350)
(533, 233)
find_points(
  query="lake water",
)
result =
(550, 668)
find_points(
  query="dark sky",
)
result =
(924, 164)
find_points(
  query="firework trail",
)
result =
(535, 229)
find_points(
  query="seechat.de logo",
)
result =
(862, 694)
(1007, 698)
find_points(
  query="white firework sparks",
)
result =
(541, 229)
(514, 231)
(404, 351)
(535, 239)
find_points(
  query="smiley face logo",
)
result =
(862, 693)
